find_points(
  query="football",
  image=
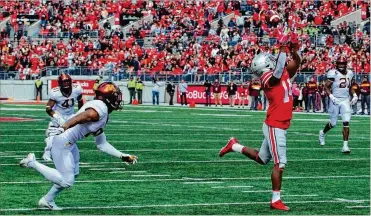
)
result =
(271, 17)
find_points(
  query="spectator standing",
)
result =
(183, 92)
(170, 89)
(324, 97)
(301, 97)
(139, 86)
(254, 90)
(231, 90)
(295, 94)
(304, 92)
(131, 88)
(365, 92)
(216, 92)
(243, 92)
(356, 89)
(156, 92)
(207, 85)
(39, 88)
(312, 89)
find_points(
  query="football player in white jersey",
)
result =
(60, 108)
(337, 86)
(89, 120)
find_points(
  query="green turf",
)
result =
(182, 144)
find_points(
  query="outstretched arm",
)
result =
(294, 64)
(80, 101)
(89, 115)
(107, 148)
(280, 67)
(49, 107)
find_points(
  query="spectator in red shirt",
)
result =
(243, 92)
(365, 92)
(312, 89)
(217, 88)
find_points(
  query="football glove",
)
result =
(58, 119)
(129, 159)
(54, 131)
(354, 99)
(334, 99)
(284, 38)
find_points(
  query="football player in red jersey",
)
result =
(275, 77)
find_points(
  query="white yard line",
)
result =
(206, 182)
(196, 179)
(348, 201)
(224, 161)
(128, 172)
(150, 175)
(358, 206)
(299, 195)
(105, 169)
(237, 186)
(259, 191)
(176, 205)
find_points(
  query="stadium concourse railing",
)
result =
(238, 74)
(55, 34)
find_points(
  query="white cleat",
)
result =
(49, 205)
(47, 156)
(321, 138)
(345, 150)
(30, 157)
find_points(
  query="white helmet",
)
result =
(262, 63)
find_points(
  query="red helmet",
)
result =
(110, 94)
(341, 64)
(65, 84)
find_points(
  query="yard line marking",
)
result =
(90, 166)
(161, 150)
(195, 179)
(219, 115)
(128, 172)
(175, 205)
(357, 206)
(316, 120)
(237, 186)
(206, 182)
(260, 191)
(149, 175)
(300, 195)
(223, 161)
(348, 201)
(95, 169)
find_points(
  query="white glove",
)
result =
(129, 159)
(354, 99)
(334, 99)
(54, 131)
(58, 119)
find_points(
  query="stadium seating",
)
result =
(183, 39)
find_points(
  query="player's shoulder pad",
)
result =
(331, 73)
(99, 106)
(76, 87)
(350, 73)
(54, 93)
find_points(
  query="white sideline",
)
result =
(162, 150)
(195, 179)
(177, 205)
(222, 161)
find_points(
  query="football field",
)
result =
(179, 171)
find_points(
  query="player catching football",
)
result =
(337, 86)
(275, 78)
(61, 108)
(89, 120)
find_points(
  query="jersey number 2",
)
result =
(343, 82)
(288, 90)
(68, 103)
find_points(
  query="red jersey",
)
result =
(280, 100)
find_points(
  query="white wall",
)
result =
(25, 90)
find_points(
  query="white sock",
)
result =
(237, 147)
(345, 144)
(49, 173)
(54, 191)
(276, 195)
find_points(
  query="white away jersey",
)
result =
(65, 105)
(340, 86)
(80, 131)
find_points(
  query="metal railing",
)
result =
(55, 34)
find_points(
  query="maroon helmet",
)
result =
(110, 94)
(341, 64)
(65, 84)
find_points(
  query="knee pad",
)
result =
(346, 124)
(279, 167)
(332, 123)
(68, 181)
